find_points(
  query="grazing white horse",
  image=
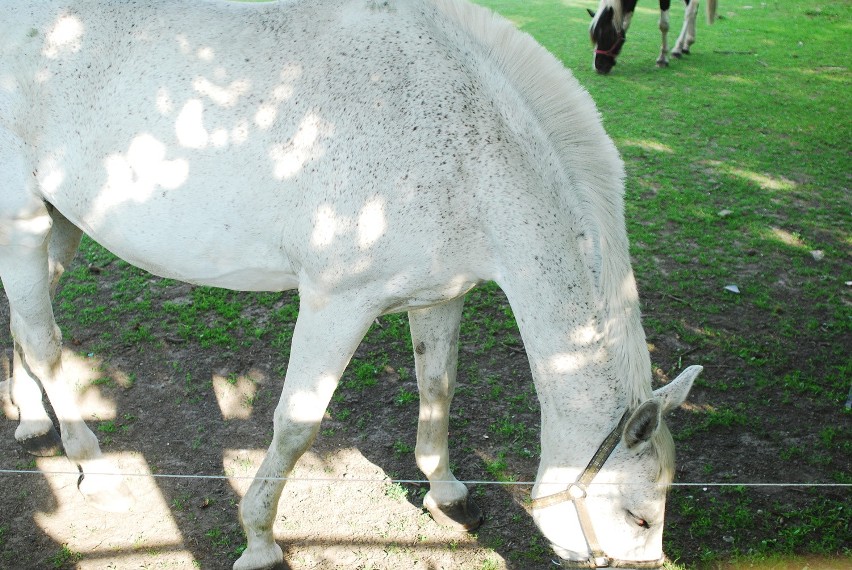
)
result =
(377, 156)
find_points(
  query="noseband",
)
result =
(576, 493)
(613, 51)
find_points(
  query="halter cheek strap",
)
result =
(611, 52)
(576, 493)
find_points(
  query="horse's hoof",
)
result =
(261, 558)
(462, 515)
(685, 52)
(662, 63)
(676, 54)
(103, 493)
(47, 444)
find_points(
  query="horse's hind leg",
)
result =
(64, 242)
(435, 334)
(35, 431)
(328, 330)
(24, 268)
(687, 33)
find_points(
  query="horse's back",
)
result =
(217, 142)
(250, 146)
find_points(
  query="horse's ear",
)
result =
(646, 419)
(642, 424)
(591, 14)
(675, 392)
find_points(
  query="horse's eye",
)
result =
(637, 520)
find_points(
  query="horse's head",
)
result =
(608, 35)
(612, 515)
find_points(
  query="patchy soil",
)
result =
(167, 402)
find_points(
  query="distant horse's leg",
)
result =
(663, 60)
(35, 432)
(328, 330)
(24, 268)
(435, 334)
(687, 33)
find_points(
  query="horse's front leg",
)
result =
(435, 334)
(328, 330)
(663, 60)
(35, 431)
(687, 33)
(24, 263)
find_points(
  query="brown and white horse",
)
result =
(608, 30)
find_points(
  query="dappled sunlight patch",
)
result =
(833, 73)
(189, 126)
(289, 158)
(87, 372)
(371, 222)
(50, 172)
(763, 180)
(135, 175)
(235, 395)
(736, 79)
(222, 96)
(567, 363)
(240, 465)
(649, 145)
(785, 237)
(326, 224)
(155, 529)
(65, 37)
(697, 408)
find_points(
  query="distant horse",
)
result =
(612, 18)
(379, 156)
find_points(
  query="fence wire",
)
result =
(388, 480)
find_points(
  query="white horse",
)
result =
(378, 156)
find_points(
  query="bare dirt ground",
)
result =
(165, 405)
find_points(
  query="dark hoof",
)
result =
(45, 445)
(462, 516)
(676, 54)
(662, 63)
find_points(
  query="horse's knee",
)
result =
(40, 344)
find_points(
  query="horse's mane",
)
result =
(567, 115)
(617, 14)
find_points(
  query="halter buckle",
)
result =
(576, 491)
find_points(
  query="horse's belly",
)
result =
(242, 266)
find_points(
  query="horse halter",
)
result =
(576, 493)
(614, 50)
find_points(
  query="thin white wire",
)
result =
(391, 480)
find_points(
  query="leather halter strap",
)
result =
(611, 52)
(576, 493)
